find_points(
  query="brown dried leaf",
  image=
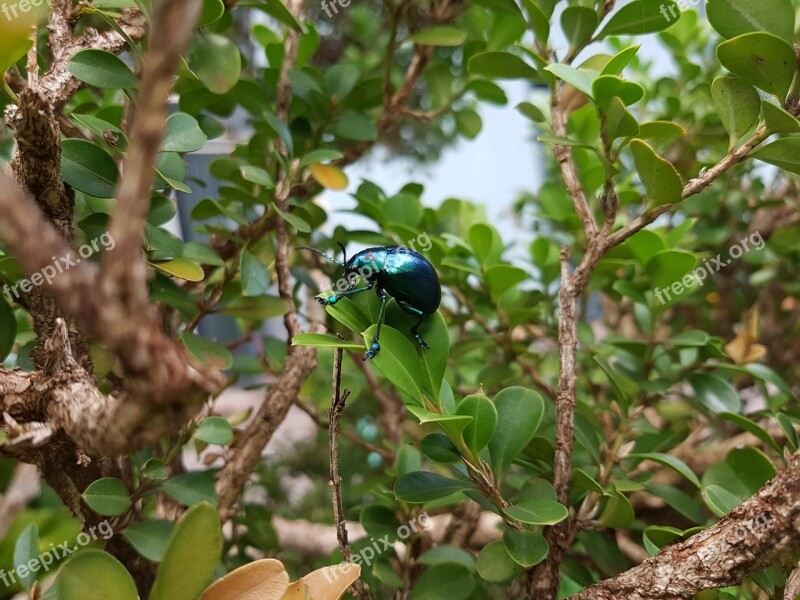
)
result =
(260, 580)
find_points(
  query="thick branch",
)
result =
(764, 530)
(126, 272)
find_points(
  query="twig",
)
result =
(338, 400)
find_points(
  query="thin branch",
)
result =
(569, 171)
(338, 401)
(694, 186)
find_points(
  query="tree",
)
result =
(613, 417)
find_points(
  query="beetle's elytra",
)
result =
(394, 271)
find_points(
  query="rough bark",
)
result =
(762, 531)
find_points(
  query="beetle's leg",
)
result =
(376, 343)
(414, 330)
(333, 299)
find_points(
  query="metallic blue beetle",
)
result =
(394, 271)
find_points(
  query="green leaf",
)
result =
(8, 329)
(578, 23)
(212, 12)
(720, 500)
(487, 246)
(760, 59)
(625, 389)
(108, 496)
(215, 430)
(88, 168)
(378, 520)
(321, 340)
(26, 550)
(738, 105)
(618, 512)
(277, 9)
(500, 65)
(741, 474)
(578, 78)
(659, 177)
(422, 486)
(318, 156)
(341, 79)
(495, 565)
(102, 69)
(783, 153)
(606, 87)
(216, 61)
(97, 575)
(532, 112)
(519, 412)
(778, 120)
(735, 17)
(356, 127)
(669, 266)
(280, 128)
(206, 351)
(655, 538)
(150, 538)
(502, 277)
(439, 448)
(180, 268)
(434, 361)
(525, 548)
(448, 554)
(397, 361)
(444, 581)
(618, 122)
(192, 556)
(183, 134)
(660, 130)
(191, 488)
(262, 307)
(640, 17)
(537, 512)
(439, 36)
(715, 393)
(453, 425)
(672, 462)
(468, 123)
(480, 430)
(255, 277)
(752, 427)
(619, 61)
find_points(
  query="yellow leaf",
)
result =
(328, 176)
(297, 591)
(328, 583)
(16, 29)
(260, 580)
(181, 268)
(743, 349)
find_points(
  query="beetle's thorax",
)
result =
(371, 260)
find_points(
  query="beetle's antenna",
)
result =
(344, 252)
(321, 253)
